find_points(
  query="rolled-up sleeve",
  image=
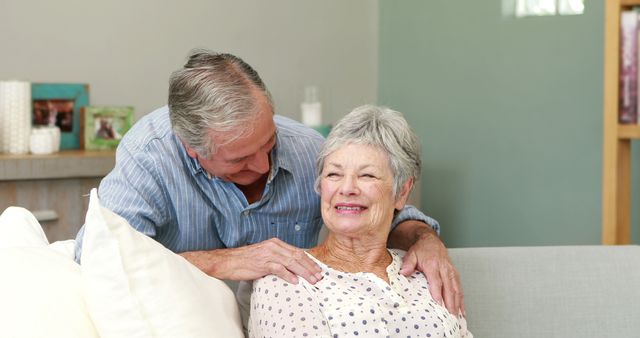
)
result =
(410, 212)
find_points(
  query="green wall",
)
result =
(509, 112)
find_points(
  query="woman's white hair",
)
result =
(381, 128)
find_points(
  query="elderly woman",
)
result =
(367, 167)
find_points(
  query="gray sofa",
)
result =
(555, 291)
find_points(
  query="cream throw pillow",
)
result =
(41, 295)
(40, 286)
(135, 287)
(19, 228)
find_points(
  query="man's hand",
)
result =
(427, 253)
(254, 261)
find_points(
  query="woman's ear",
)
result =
(404, 194)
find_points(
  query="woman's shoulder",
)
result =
(271, 282)
(397, 253)
(282, 309)
(272, 286)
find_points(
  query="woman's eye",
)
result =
(368, 176)
(332, 175)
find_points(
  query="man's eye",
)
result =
(332, 175)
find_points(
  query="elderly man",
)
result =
(220, 179)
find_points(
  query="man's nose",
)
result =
(260, 162)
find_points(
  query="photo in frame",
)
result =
(59, 104)
(104, 126)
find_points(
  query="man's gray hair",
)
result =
(213, 92)
(384, 129)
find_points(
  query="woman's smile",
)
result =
(350, 208)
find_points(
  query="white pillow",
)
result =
(41, 295)
(19, 228)
(135, 287)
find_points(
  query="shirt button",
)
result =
(246, 212)
(297, 227)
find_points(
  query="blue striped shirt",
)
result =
(168, 196)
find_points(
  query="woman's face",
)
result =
(356, 191)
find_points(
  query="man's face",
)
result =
(246, 159)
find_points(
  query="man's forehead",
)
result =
(231, 145)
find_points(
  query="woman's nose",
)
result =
(349, 186)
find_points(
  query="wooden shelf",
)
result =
(616, 145)
(629, 131)
(67, 154)
(55, 185)
(628, 3)
(64, 164)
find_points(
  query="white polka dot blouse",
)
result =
(351, 305)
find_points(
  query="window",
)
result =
(547, 7)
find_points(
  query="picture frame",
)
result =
(60, 104)
(104, 126)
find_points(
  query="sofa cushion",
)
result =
(135, 287)
(19, 228)
(559, 291)
(40, 295)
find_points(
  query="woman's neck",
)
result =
(354, 255)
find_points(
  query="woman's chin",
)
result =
(347, 228)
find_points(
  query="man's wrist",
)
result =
(425, 232)
(407, 233)
(207, 261)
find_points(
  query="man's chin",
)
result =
(245, 179)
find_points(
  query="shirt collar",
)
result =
(280, 157)
(192, 163)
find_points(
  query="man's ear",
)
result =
(190, 151)
(404, 194)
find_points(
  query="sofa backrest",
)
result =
(556, 291)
